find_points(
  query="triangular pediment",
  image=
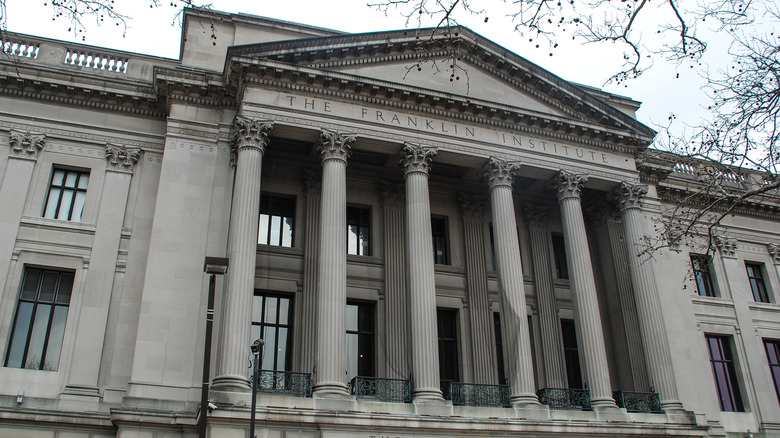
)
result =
(487, 80)
(469, 82)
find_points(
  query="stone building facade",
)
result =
(432, 236)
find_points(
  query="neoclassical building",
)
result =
(432, 237)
